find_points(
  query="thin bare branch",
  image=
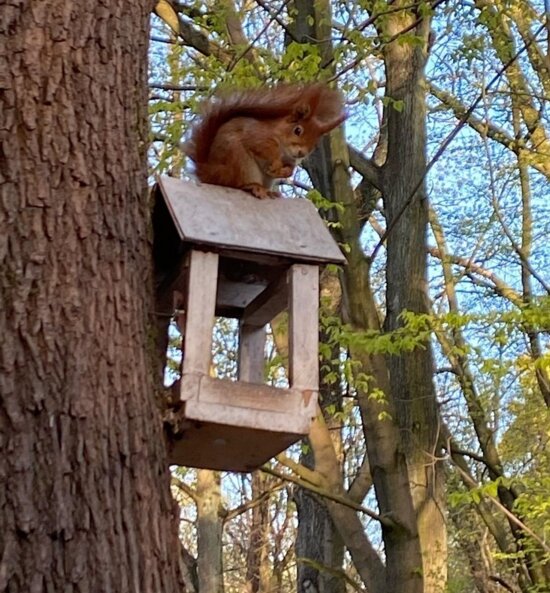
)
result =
(250, 504)
(384, 520)
(496, 283)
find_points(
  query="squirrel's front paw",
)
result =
(280, 172)
(257, 190)
(286, 171)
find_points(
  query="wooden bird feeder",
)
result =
(229, 254)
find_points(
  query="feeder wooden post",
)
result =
(304, 327)
(251, 353)
(200, 311)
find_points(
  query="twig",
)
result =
(508, 513)
(178, 87)
(263, 30)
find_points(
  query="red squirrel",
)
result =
(250, 138)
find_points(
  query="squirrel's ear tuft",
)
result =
(301, 112)
(323, 127)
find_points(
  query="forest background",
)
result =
(474, 231)
(478, 437)
(427, 469)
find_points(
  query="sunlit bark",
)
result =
(85, 500)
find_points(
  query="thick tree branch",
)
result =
(300, 470)
(362, 482)
(365, 167)
(187, 490)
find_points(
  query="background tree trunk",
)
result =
(387, 459)
(257, 567)
(411, 373)
(85, 503)
(318, 542)
(317, 539)
(209, 532)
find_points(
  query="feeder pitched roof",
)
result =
(226, 218)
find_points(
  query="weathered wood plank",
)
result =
(251, 353)
(276, 422)
(229, 218)
(253, 396)
(237, 294)
(268, 304)
(190, 386)
(223, 447)
(200, 310)
(304, 327)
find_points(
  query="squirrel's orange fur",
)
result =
(250, 138)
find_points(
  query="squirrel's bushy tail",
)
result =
(283, 100)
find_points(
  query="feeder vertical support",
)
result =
(304, 326)
(251, 353)
(200, 312)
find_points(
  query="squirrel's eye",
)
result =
(298, 130)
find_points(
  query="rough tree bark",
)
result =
(85, 504)
(319, 542)
(407, 290)
(319, 547)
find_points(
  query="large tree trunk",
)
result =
(411, 373)
(319, 546)
(403, 572)
(85, 502)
